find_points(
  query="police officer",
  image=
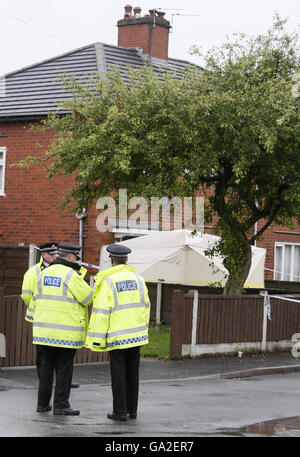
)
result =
(49, 254)
(119, 324)
(60, 302)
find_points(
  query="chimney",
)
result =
(149, 32)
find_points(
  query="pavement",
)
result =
(225, 366)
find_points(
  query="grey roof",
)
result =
(34, 91)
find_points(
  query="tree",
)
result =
(231, 129)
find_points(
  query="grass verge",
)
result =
(159, 343)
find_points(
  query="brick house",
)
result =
(29, 200)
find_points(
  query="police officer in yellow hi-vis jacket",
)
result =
(119, 324)
(59, 304)
(49, 254)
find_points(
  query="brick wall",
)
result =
(28, 211)
(160, 42)
(136, 35)
(277, 233)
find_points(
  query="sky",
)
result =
(34, 30)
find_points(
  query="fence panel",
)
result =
(18, 333)
(13, 265)
(222, 322)
(178, 325)
(285, 319)
(229, 319)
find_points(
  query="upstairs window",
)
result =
(287, 262)
(2, 169)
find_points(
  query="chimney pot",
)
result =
(137, 11)
(160, 13)
(128, 11)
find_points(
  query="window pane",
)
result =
(1, 177)
(287, 263)
(278, 264)
(296, 266)
(1, 156)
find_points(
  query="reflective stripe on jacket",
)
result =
(59, 303)
(121, 310)
(28, 286)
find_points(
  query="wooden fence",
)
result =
(13, 265)
(19, 350)
(201, 325)
(210, 324)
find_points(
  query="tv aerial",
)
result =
(176, 14)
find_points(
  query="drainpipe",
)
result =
(81, 216)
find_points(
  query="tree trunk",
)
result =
(235, 283)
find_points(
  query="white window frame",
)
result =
(282, 273)
(3, 163)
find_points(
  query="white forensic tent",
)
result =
(178, 257)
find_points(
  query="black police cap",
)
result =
(118, 250)
(69, 248)
(50, 248)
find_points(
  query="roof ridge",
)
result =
(27, 67)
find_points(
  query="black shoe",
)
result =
(75, 386)
(117, 417)
(66, 412)
(43, 409)
(132, 415)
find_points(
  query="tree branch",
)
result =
(266, 212)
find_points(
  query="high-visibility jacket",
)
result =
(29, 284)
(29, 281)
(60, 301)
(121, 310)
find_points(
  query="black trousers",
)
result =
(59, 361)
(38, 359)
(124, 368)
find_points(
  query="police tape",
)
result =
(90, 265)
(80, 263)
(284, 298)
(280, 272)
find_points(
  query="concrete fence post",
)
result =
(263, 346)
(158, 301)
(194, 324)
